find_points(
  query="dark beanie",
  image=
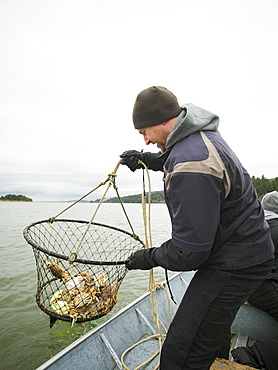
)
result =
(153, 106)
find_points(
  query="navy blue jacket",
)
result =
(217, 219)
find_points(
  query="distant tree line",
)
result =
(262, 186)
(15, 198)
(156, 197)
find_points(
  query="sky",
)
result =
(70, 72)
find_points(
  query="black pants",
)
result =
(200, 330)
(266, 298)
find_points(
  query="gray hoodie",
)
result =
(190, 120)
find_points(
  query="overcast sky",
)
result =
(70, 72)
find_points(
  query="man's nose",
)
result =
(147, 141)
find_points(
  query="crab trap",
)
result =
(80, 265)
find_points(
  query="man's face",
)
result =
(155, 135)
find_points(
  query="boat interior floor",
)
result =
(145, 350)
(238, 340)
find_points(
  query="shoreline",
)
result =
(15, 201)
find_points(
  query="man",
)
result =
(264, 355)
(266, 296)
(218, 226)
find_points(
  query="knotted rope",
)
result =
(152, 286)
(111, 182)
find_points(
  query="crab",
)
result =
(57, 271)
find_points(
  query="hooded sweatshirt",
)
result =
(217, 220)
(190, 120)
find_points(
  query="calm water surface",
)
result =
(26, 340)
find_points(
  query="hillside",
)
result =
(262, 186)
(156, 197)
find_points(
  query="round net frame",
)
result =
(87, 288)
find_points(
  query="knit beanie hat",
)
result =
(154, 106)
(270, 201)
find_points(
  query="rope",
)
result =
(148, 238)
(111, 179)
(152, 285)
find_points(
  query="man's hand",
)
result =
(153, 161)
(140, 260)
(131, 158)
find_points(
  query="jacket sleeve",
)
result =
(173, 258)
(194, 202)
(154, 161)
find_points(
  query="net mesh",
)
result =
(88, 288)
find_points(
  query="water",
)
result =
(26, 340)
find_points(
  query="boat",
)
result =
(132, 333)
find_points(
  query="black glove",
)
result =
(153, 161)
(131, 158)
(140, 260)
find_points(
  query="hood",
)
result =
(190, 120)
